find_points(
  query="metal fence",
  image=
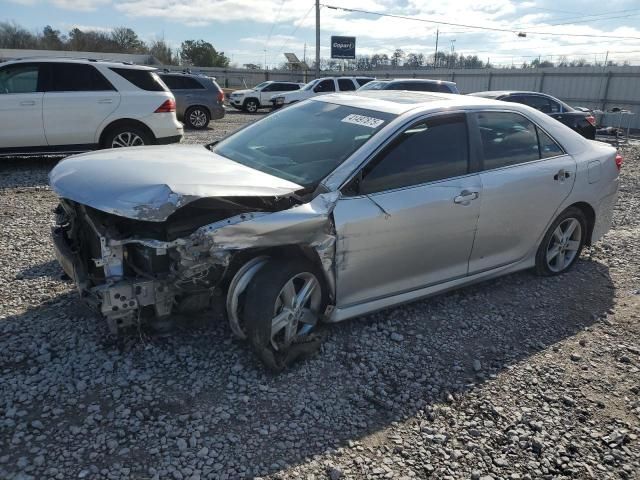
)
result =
(593, 87)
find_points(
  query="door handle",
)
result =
(465, 197)
(28, 103)
(105, 100)
(561, 175)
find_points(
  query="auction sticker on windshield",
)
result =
(363, 120)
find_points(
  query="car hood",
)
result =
(243, 92)
(150, 183)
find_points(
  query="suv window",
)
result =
(20, 78)
(363, 81)
(325, 86)
(281, 87)
(510, 139)
(430, 150)
(77, 77)
(144, 79)
(346, 85)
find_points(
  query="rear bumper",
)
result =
(163, 125)
(168, 140)
(604, 214)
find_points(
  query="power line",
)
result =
(300, 22)
(273, 24)
(477, 27)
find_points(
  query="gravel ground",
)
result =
(520, 378)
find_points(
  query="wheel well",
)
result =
(250, 98)
(590, 215)
(284, 251)
(124, 122)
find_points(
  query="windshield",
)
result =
(260, 85)
(310, 85)
(374, 86)
(303, 143)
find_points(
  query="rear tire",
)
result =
(562, 244)
(127, 136)
(283, 304)
(197, 118)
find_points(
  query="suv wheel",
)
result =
(196, 118)
(251, 105)
(126, 136)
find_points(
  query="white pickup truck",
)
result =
(320, 86)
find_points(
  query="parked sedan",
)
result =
(330, 209)
(577, 119)
(199, 99)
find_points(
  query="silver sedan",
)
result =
(329, 209)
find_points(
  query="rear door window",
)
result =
(172, 81)
(346, 85)
(510, 139)
(191, 84)
(143, 79)
(430, 150)
(77, 77)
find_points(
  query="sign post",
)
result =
(343, 47)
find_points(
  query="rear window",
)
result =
(176, 82)
(77, 77)
(363, 81)
(143, 79)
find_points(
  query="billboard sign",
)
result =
(343, 47)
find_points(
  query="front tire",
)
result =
(197, 118)
(251, 106)
(283, 304)
(562, 244)
(127, 136)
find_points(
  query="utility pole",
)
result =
(435, 56)
(317, 38)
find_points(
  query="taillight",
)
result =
(591, 119)
(221, 96)
(167, 107)
(619, 161)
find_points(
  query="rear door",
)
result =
(21, 106)
(410, 220)
(525, 178)
(77, 101)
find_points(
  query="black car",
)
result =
(582, 122)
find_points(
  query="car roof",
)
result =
(84, 61)
(416, 80)
(500, 93)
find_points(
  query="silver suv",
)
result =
(199, 98)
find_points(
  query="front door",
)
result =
(21, 106)
(408, 220)
(526, 176)
(78, 100)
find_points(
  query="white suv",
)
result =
(57, 105)
(250, 100)
(320, 86)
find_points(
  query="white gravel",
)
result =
(521, 377)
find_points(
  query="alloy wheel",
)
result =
(198, 118)
(564, 245)
(296, 309)
(127, 139)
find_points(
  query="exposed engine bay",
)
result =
(136, 272)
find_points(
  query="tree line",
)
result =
(117, 40)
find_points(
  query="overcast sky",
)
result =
(244, 29)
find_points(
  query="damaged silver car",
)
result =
(329, 209)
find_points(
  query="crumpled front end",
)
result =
(133, 272)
